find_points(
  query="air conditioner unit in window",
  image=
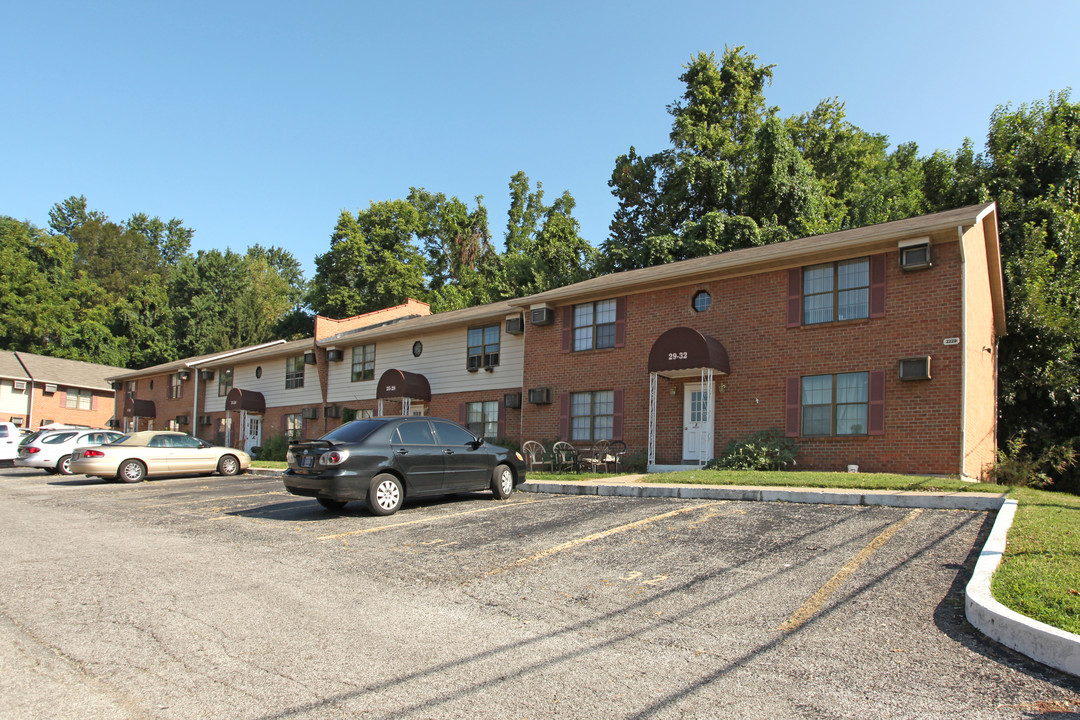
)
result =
(335, 355)
(540, 396)
(332, 411)
(19, 384)
(182, 419)
(474, 362)
(50, 388)
(915, 368)
(206, 374)
(512, 400)
(184, 375)
(542, 316)
(205, 420)
(311, 413)
(309, 358)
(915, 257)
(515, 325)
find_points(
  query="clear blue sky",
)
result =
(259, 122)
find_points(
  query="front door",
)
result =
(697, 424)
(252, 432)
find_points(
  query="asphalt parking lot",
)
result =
(228, 597)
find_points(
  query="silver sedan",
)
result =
(133, 458)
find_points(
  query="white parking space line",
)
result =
(600, 535)
(817, 600)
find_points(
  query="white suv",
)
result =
(9, 440)
(51, 451)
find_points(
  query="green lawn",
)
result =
(269, 464)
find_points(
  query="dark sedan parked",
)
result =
(387, 459)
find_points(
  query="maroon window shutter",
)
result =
(502, 418)
(794, 297)
(877, 286)
(620, 322)
(462, 415)
(876, 421)
(791, 407)
(93, 401)
(617, 416)
(567, 328)
(564, 416)
(62, 396)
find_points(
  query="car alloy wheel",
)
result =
(64, 466)
(132, 471)
(228, 465)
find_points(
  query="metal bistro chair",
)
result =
(607, 455)
(564, 457)
(534, 456)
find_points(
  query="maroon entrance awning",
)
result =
(683, 351)
(134, 407)
(249, 400)
(394, 384)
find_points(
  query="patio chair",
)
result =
(534, 456)
(564, 457)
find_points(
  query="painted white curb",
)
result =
(1039, 641)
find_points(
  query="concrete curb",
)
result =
(1053, 647)
(1039, 641)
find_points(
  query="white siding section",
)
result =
(211, 401)
(442, 363)
(12, 400)
(271, 385)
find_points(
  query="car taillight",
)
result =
(32, 450)
(334, 457)
(93, 453)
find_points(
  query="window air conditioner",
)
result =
(915, 368)
(204, 420)
(542, 316)
(335, 355)
(50, 388)
(515, 325)
(512, 400)
(332, 411)
(206, 374)
(309, 358)
(540, 396)
(915, 256)
(310, 413)
(182, 419)
(19, 384)
(474, 363)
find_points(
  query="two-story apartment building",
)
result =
(874, 347)
(38, 390)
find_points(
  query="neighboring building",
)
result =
(38, 390)
(874, 347)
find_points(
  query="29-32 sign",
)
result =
(678, 356)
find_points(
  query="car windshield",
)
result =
(354, 431)
(58, 437)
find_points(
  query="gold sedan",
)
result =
(136, 456)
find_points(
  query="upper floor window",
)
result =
(363, 362)
(78, 399)
(836, 291)
(224, 384)
(483, 347)
(294, 372)
(176, 386)
(594, 325)
(835, 404)
(592, 415)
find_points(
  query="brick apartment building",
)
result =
(874, 347)
(38, 390)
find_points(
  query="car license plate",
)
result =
(307, 461)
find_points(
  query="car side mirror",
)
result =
(477, 443)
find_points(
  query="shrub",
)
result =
(1016, 465)
(273, 448)
(763, 450)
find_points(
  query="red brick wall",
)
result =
(748, 316)
(50, 406)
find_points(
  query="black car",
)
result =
(384, 460)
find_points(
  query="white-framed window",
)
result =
(594, 325)
(835, 404)
(592, 415)
(293, 423)
(176, 387)
(836, 291)
(482, 419)
(130, 387)
(483, 347)
(224, 383)
(294, 372)
(363, 362)
(78, 399)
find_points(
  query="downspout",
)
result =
(195, 406)
(30, 409)
(963, 351)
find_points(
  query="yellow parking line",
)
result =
(599, 536)
(429, 519)
(811, 606)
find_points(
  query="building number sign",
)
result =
(391, 388)
(678, 356)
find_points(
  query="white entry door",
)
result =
(697, 423)
(252, 432)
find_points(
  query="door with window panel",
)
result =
(697, 423)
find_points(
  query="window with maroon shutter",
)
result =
(794, 297)
(791, 407)
(596, 325)
(837, 405)
(877, 286)
(620, 322)
(617, 419)
(502, 419)
(568, 328)
(836, 291)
